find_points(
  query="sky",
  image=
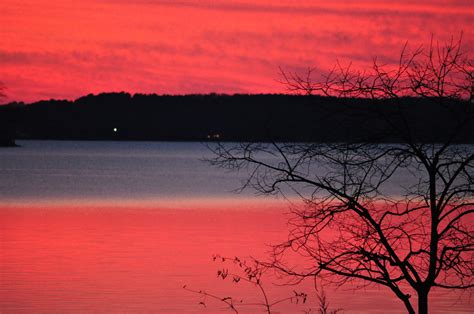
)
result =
(65, 49)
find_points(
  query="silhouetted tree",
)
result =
(6, 128)
(395, 215)
(251, 273)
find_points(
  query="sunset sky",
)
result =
(69, 48)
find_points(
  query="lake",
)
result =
(121, 227)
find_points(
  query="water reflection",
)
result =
(121, 227)
(106, 259)
(136, 259)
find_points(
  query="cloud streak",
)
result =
(319, 8)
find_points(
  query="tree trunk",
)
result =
(410, 308)
(422, 302)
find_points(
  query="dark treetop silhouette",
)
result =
(233, 118)
(352, 227)
(7, 123)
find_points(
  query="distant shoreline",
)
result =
(239, 118)
(206, 142)
(8, 143)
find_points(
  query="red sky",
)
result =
(69, 48)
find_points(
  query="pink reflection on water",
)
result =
(135, 257)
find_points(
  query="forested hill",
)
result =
(121, 116)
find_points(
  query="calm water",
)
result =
(110, 227)
(56, 170)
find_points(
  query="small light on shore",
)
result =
(115, 129)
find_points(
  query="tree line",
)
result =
(241, 117)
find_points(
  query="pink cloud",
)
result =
(74, 48)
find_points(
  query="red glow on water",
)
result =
(136, 258)
(107, 259)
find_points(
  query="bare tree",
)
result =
(394, 215)
(252, 274)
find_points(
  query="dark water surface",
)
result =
(104, 227)
(62, 170)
